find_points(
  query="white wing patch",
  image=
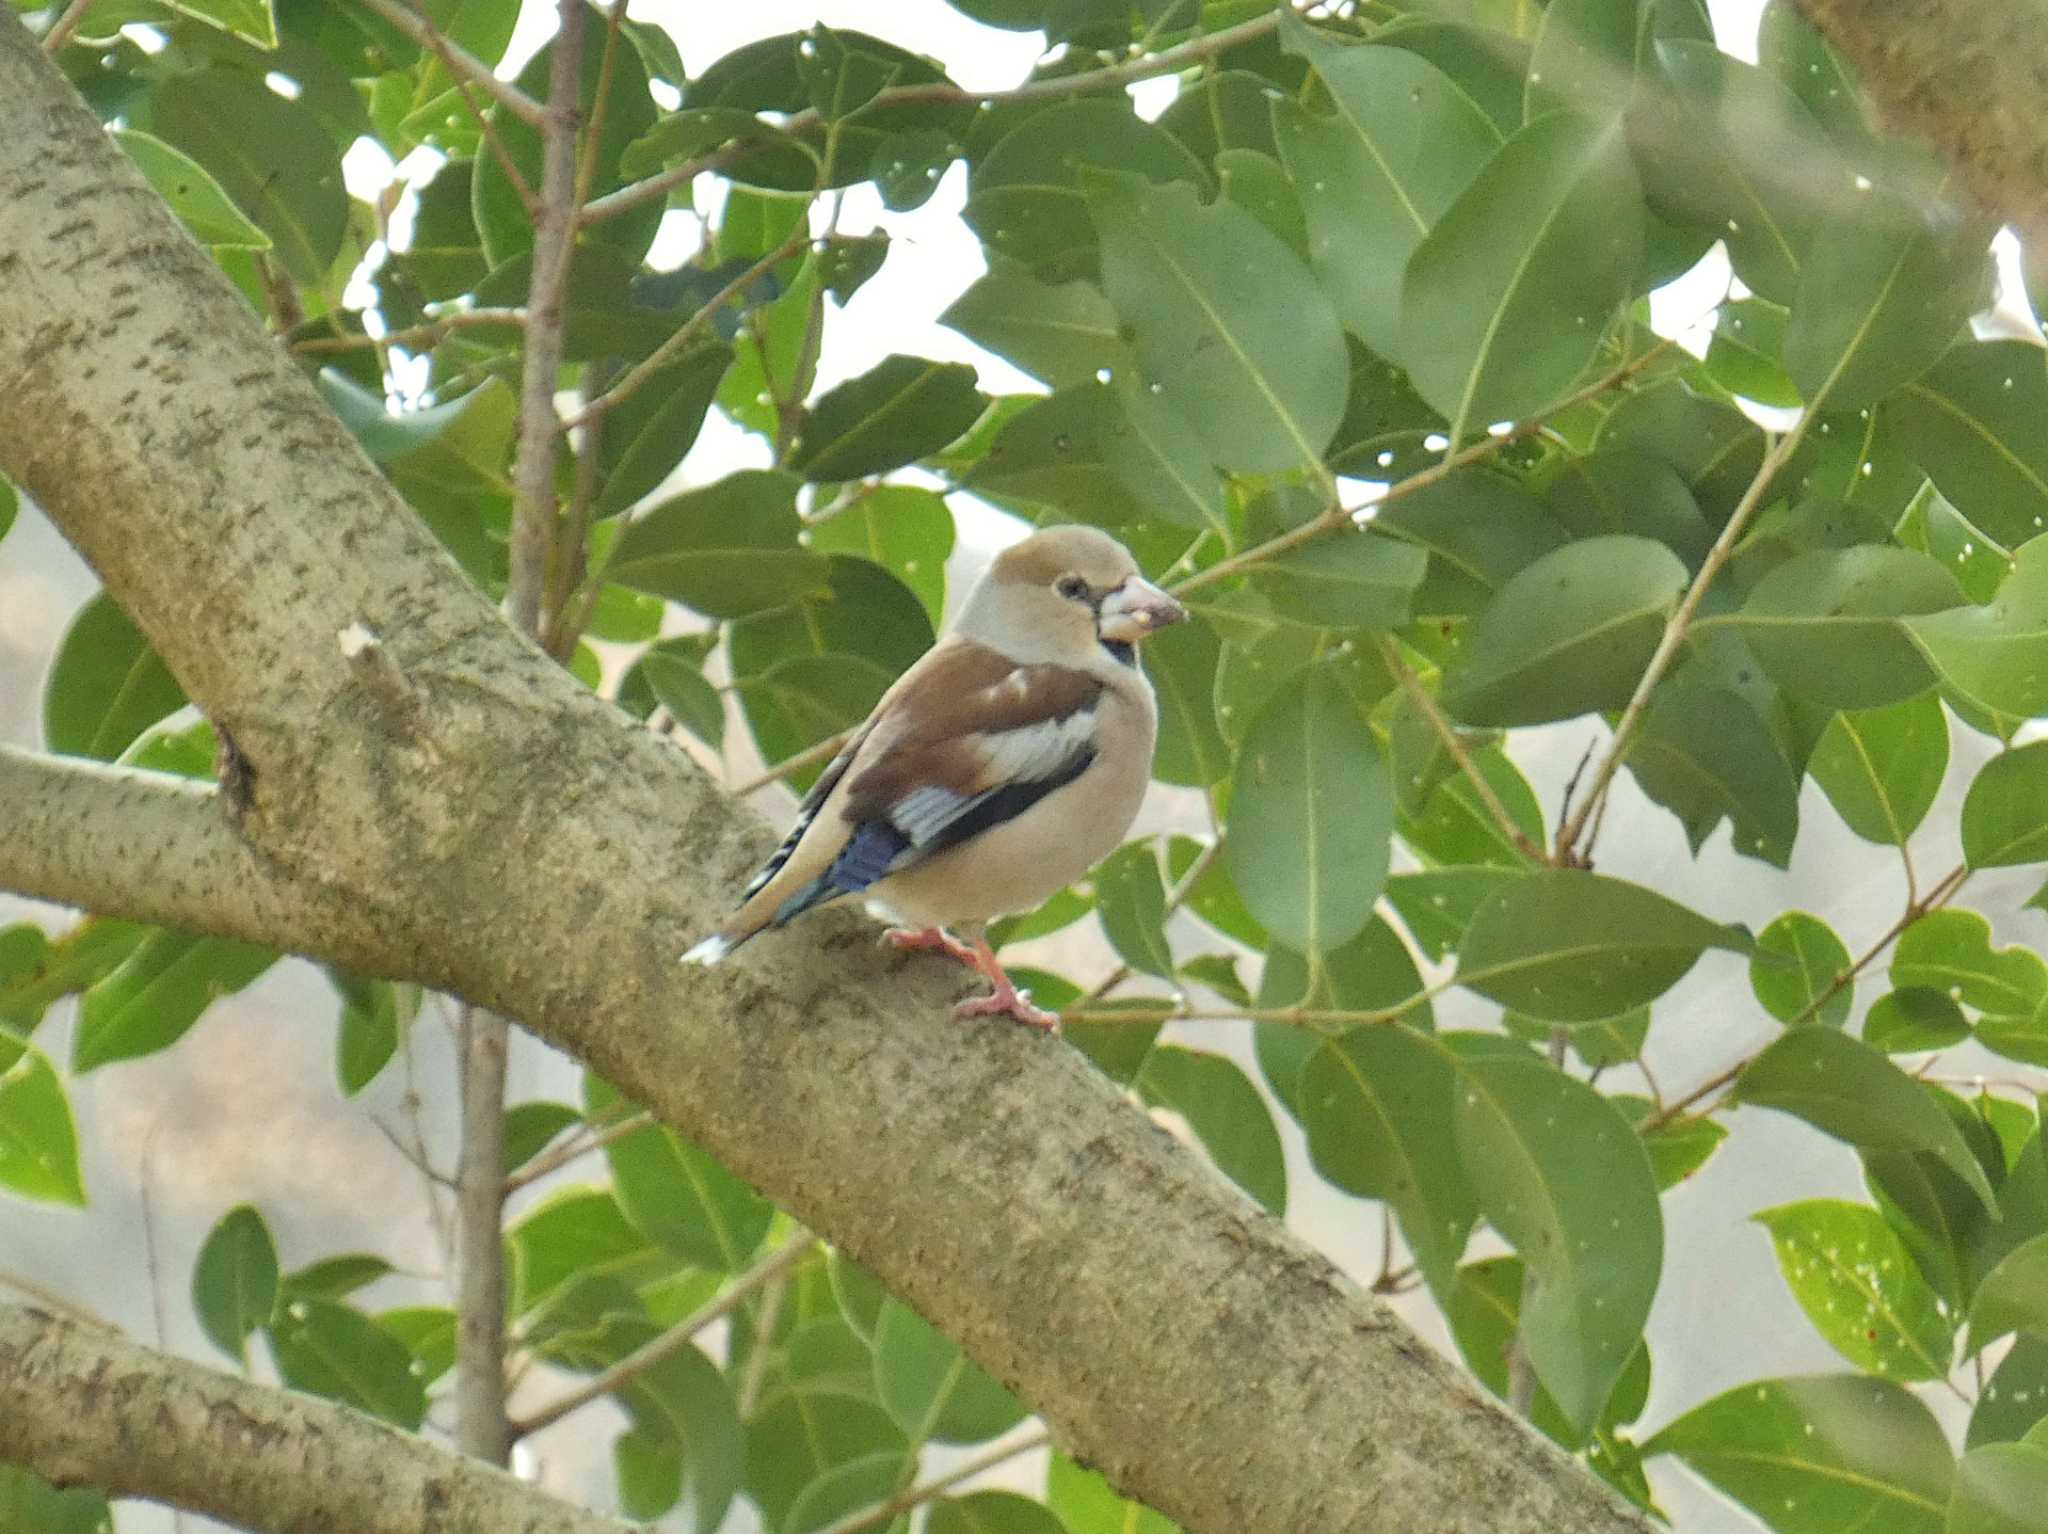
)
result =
(1035, 751)
(924, 812)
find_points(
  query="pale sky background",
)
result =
(245, 1109)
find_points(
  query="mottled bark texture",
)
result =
(87, 1407)
(450, 807)
(1970, 76)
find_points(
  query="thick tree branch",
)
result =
(519, 842)
(87, 1407)
(1971, 77)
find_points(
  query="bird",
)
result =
(1009, 759)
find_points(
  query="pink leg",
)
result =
(932, 939)
(1005, 1000)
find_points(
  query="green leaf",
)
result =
(1053, 454)
(727, 550)
(1936, 528)
(1311, 816)
(992, 1512)
(1132, 905)
(1560, 1174)
(2001, 1488)
(1677, 1148)
(1798, 962)
(1226, 1113)
(1375, 173)
(1858, 1286)
(670, 673)
(1505, 301)
(1914, 1018)
(1345, 580)
(106, 685)
(34, 973)
(1226, 323)
(10, 504)
(1377, 1107)
(1437, 905)
(1570, 946)
(1716, 449)
(1881, 768)
(1086, 1504)
(1824, 623)
(679, 1196)
(896, 412)
(906, 530)
(158, 992)
(334, 1350)
(646, 436)
(2013, 1296)
(1705, 755)
(2005, 814)
(530, 1127)
(1160, 457)
(1568, 635)
(1996, 656)
(1746, 356)
(1881, 298)
(1845, 1088)
(1181, 663)
(2015, 1398)
(1791, 51)
(1026, 198)
(1972, 421)
(569, 1235)
(373, 1014)
(335, 1278)
(931, 1388)
(1820, 1454)
(1480, 529)
(1950, 951)
(191, 193)
(234, 1281)
(1060, 333)
(31, 1505)
(270, 156)
(38, 1141)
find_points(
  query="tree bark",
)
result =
(445, 805)
(1970, 77)
(87, 1407)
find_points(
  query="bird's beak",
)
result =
(1135, 609)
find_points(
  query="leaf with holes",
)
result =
(1859, 1287)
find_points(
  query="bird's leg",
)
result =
(933, 939)
(1005, 1000)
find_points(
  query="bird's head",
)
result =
(1064, 593)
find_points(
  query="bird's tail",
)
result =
(767, 908)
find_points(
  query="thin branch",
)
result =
(810, 756)
(1306, 1017)
(799, 1246)
(461, 64)
(916, 1496)
(554, 237)
(430, 333)
(593, 139)
(1675, 631)
(571, 1150)
(88, 1407)
(66, 24)
(689, 330)
(481, 1429)
(1114, 77)
(1424, 700)
(1938, 895)
(1336, 518)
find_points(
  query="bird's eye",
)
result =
(1072, 587)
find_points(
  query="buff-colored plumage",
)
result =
(999, 769)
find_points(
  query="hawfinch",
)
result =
(995, 772)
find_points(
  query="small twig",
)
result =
(1943, 890)
(1114, 77)
(799, 1246)
(916, 1496)
(810, 756)
(412, 1158)
(1337, 517)
(481, 1429)
(66, 24)
(570, 1150)
(1421, 697)
(430, 333)
(586, 172)
(1675, 630)
(463, 65)
(1307, 1017)
(688, 331)
(749, 1393)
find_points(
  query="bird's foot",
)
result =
(931, 939)
(1007, 1001)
